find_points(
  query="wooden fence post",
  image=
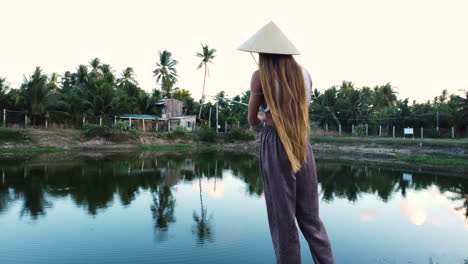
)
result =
(453, 132)
(4, 118)
(380, 130)
(46, 123)
(422, 132)
(367, 130)
(25, 120)
(352, 129)
(326, 127)
(100, 120)
(393, 131)
(339, 128)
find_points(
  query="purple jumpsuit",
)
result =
(289, 196)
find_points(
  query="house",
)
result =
(172, 115)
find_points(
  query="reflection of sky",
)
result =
(407, 229)
(404, 229)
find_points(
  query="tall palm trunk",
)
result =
(203, 94)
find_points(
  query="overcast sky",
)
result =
(421, 47)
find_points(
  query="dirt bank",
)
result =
(439, 157)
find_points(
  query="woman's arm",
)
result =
(255, 99)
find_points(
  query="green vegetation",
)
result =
(33, 150)
(176, 147)
(94, 90)
(348, 105)
(447, 161)
(92, 131)
(238, 134)
(360, 131)
(206, 134)
(14, 136)
(122, 126)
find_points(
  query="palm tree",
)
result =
(207, 56)
(82, 75)
(36, 95)
(128, 83)
(95, 65)
(128, 76)
(165, 72)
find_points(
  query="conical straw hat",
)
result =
(269, 39)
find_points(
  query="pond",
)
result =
(208, 207)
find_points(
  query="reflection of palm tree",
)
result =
(461, 194)
(202, 223)
(163, 209)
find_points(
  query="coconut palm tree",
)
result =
(127, 82)
(95, 65)
(36, 96)
(128, 76)
(207, 56)
(4, 92)
(165, 72)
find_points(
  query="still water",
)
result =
(208, 207)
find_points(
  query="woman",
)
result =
(282, 87)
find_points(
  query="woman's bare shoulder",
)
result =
(255, 85)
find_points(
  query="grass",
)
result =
(390, 141)
(33, 150)
(447, 161)
(176, 147)
(14, 136)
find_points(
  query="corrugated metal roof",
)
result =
(135, 116)
(182, 117)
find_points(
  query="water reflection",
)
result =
(161, 182)
(93, 182)
(351, 182)
(163, 210)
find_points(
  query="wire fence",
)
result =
(63, 120)
(366, 130)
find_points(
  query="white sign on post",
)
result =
(408, 131)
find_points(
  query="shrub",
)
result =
(180, 132)
(239, 134)
(360, 131)
(205, 133)
(16, 136)
(92, 131)
(122, 126)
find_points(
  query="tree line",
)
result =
(95, 89)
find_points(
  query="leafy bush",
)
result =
(16, 136)
(206, 134)
(92, 131)
(360, 131)
(122, 126)
(239, 134)
(178, 132)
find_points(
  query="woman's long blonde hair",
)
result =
(285, 94)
